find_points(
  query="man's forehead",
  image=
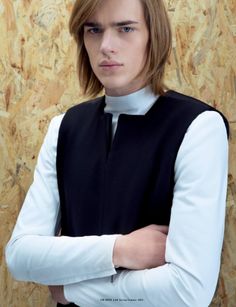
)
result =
(114, 11)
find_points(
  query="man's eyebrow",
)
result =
(114, 24)
(124, 23)
(92, 24)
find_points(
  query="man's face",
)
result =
(116, 39)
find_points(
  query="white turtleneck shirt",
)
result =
(84, 264)
(137, 103)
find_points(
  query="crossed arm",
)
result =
(139, 250)
(192, 246)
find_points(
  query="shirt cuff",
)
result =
(104, 266)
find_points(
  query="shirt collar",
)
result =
(138, 102)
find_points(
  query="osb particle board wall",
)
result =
(38, 80)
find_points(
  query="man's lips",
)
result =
(110, 64)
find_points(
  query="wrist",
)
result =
(117, 252)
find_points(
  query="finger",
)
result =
(162, 228)
(50, 288)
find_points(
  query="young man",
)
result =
(135, 181)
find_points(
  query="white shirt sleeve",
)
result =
(195, 237)
(34, 252)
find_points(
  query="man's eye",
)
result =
(94, 30)
(127, 29)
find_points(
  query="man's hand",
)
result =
(58, 294)
(141, 249)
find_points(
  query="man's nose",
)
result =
(108, 42)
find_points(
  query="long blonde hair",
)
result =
(159, 47)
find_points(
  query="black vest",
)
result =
(116, 187)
